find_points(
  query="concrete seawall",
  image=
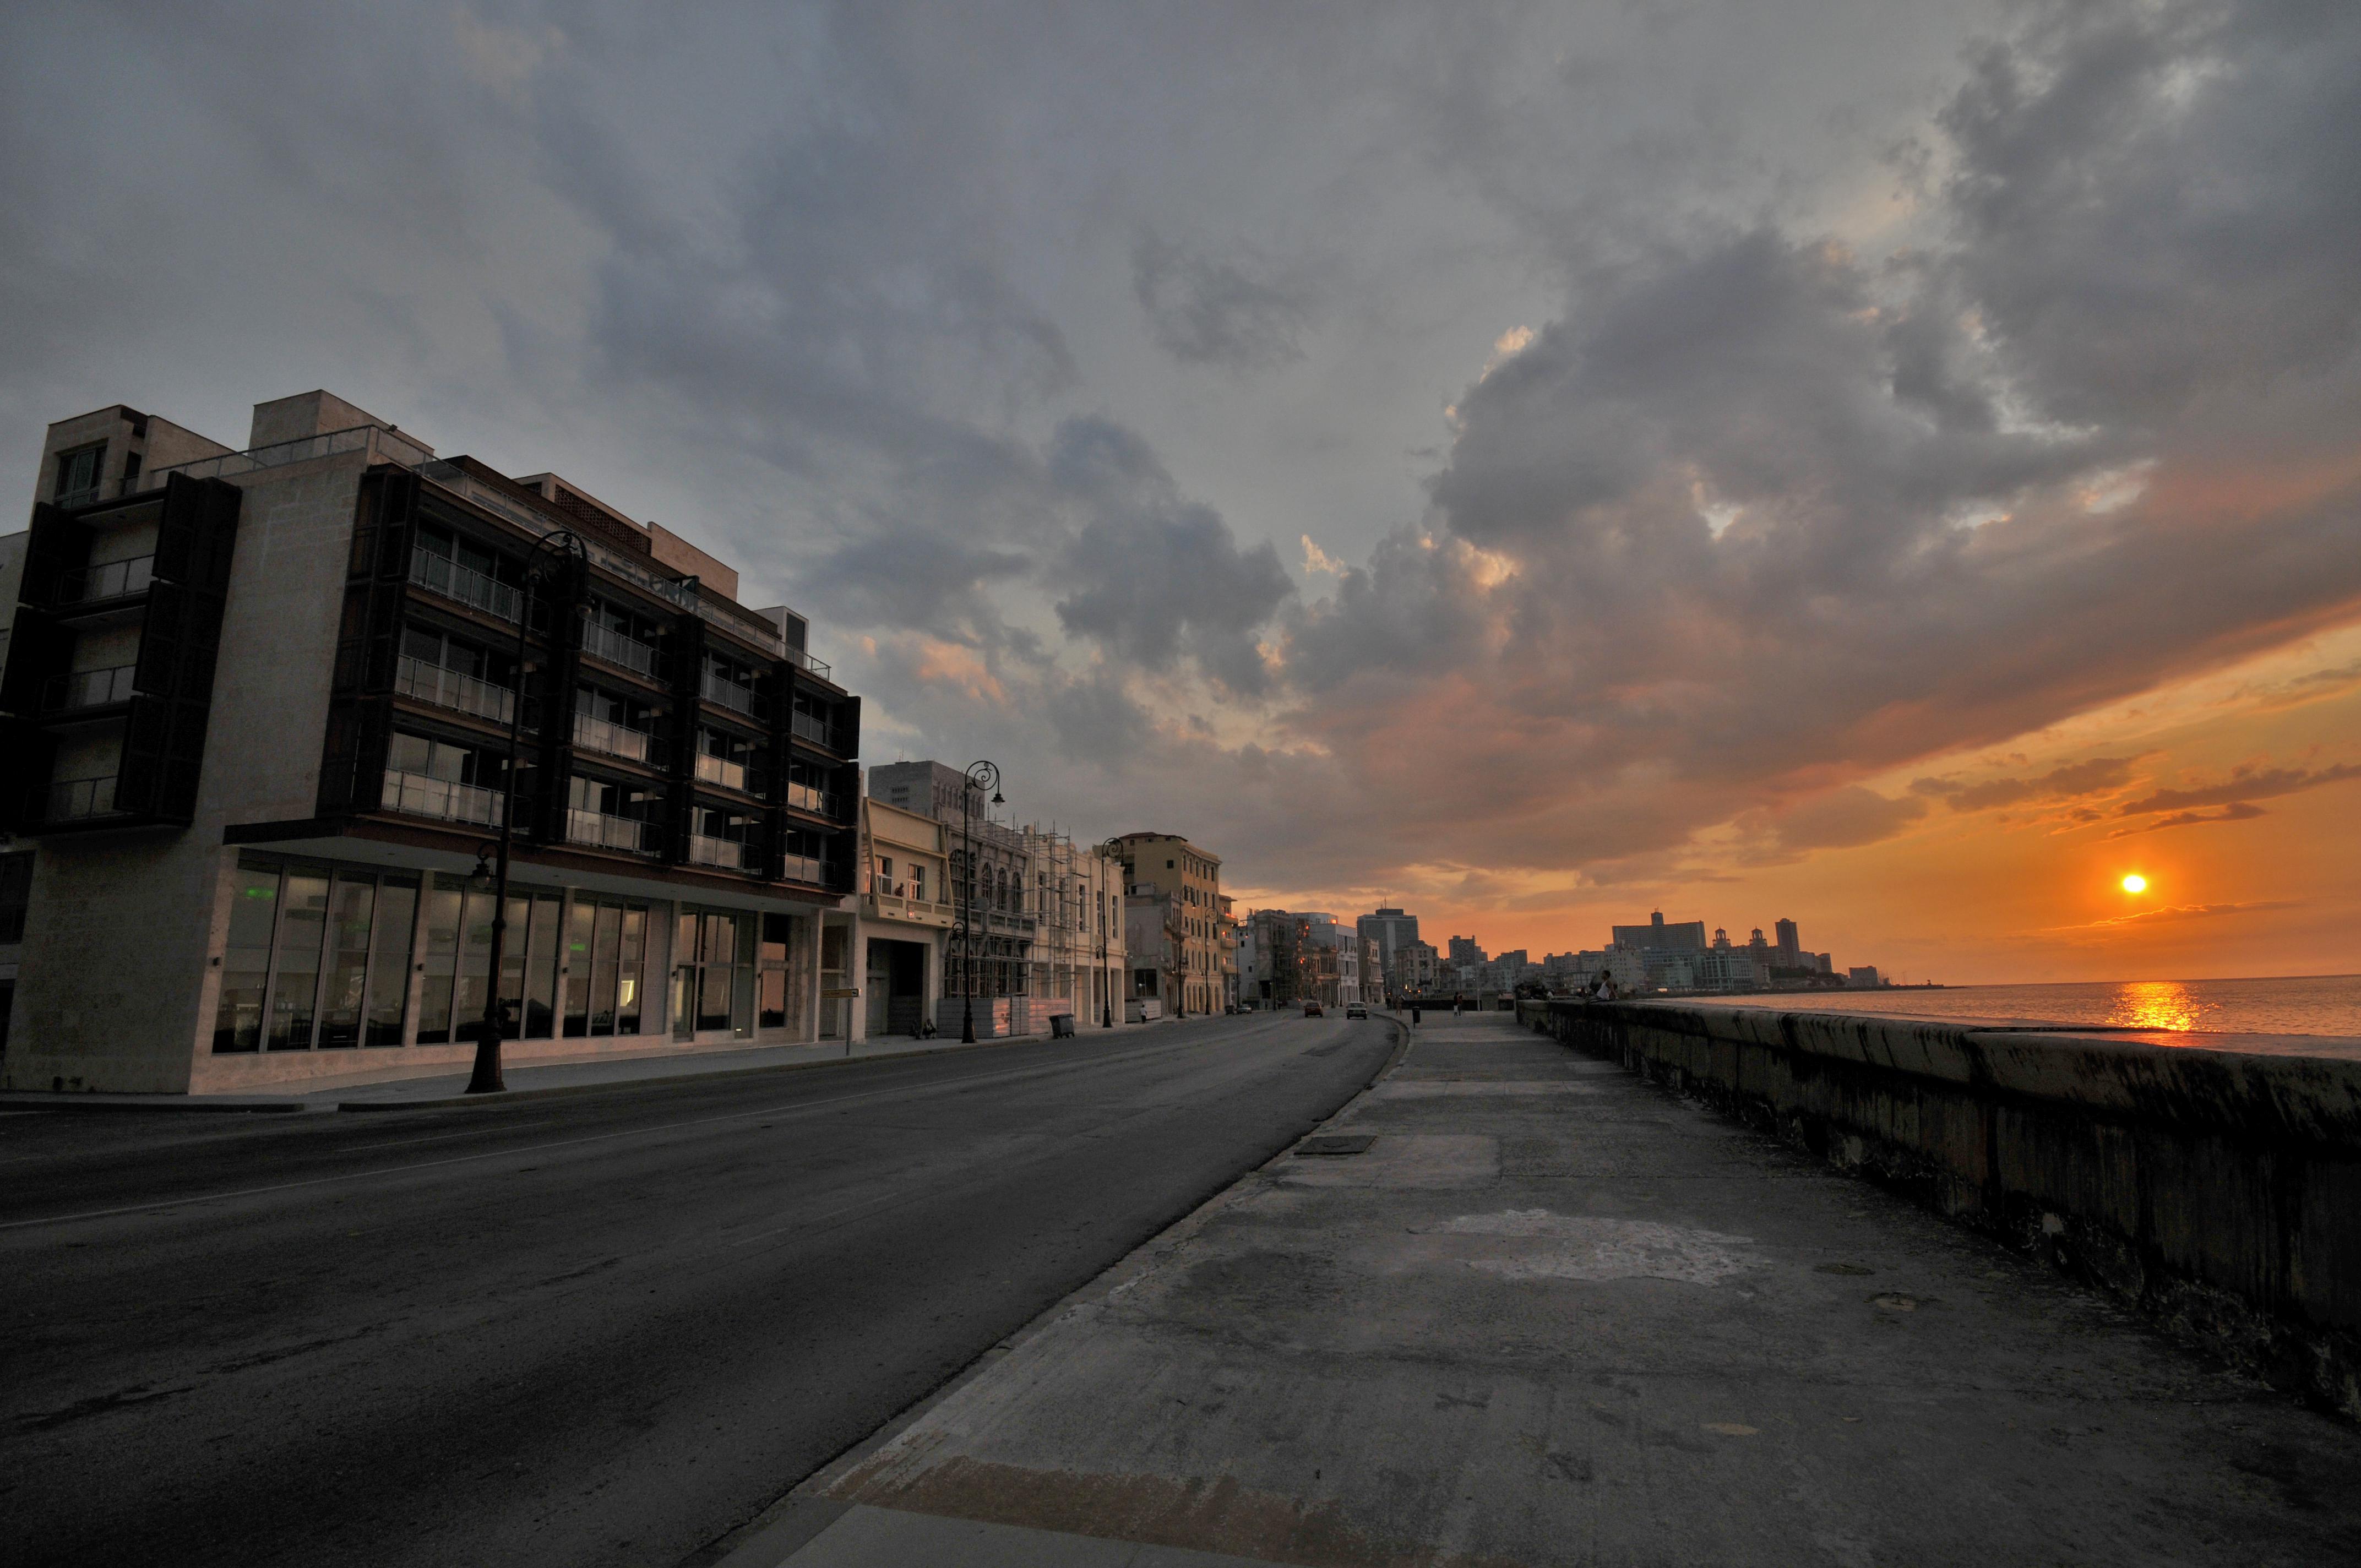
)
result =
(2216, 1185)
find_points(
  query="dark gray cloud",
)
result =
(2243, 785)
(1153, 573)
(2239, 811)
(1217, 313)
(1786, 482)
(2091, 776)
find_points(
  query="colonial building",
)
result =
(1189, 879)
(1045, 926)
(905, 909)
(258, 711)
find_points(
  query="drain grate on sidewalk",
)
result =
(1337, 1142)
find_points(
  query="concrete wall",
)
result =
(115, 990)
(2214, 1180)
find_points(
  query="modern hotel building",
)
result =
(255, 721)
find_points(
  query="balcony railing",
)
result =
(440, 574)
(90, 689)
(88, 584)
(808, 867)
(804, 797)
(612, 647)
(449, 688)
(726, 854)
(74, 800)
(729, 694)
(375, 439)
(721, 770)
(614, 740)
(898, 907)
(798, 656)
(605, 832)
(448, 800)
(818, 731)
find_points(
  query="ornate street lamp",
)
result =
(486, 1079)
(981, 776)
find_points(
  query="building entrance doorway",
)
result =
(897, 991)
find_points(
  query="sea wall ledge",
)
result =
(2214, 1180)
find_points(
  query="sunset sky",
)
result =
(1890, 464)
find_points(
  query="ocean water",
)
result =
(2304, 1004)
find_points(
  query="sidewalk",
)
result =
(524, 1080)
(1551, 1314)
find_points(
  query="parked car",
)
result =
(1312, 1010)
(1355, 1010)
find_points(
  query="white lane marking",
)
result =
(947, 1086)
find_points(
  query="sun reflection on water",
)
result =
(2155, 1005)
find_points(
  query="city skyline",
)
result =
(1895, 466)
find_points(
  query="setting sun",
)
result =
(2135, 883)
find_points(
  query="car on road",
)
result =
(1355, 1010)
(1312, 1010)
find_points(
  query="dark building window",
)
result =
(16, 893)
(78, 475)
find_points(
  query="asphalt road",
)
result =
(595, 1330)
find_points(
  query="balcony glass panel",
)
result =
(721, 770)
(74, 799)
(807, 868)
(806, 797)
(88, 584)
(90, 689)
(605, 643)
(723, 852)
(606, 832)
(817, 730)
(729, 694)
(440, 574)
(420, 796)
(614, 740)
(449, 688)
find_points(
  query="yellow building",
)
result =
(1200, 977)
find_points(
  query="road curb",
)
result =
(62, 1105)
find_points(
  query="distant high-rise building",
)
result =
(1465, 953)
(1686, 937)
(1788, 952)
(1393, 931)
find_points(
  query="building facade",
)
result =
(906, 911)
(258, 707)
(1190, 880)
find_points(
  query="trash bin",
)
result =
(1061, 1025)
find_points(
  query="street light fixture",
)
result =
(980, 776)
(486, 1079)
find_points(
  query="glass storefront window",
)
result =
(302, 926)
(442, 960)
(606, 928)
(320, 957)
(245, 964)
(475, 965)
(580, 966)
(713, 974)
(388, 988)
(627, 969)
(544, 953)
(352, 905)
